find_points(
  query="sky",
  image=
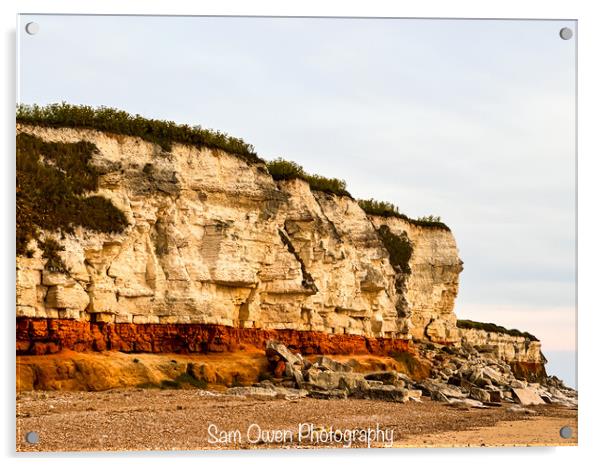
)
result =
(470, 120)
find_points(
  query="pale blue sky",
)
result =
(470, 120)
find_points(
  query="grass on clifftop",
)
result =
(387, 209)
(281, 169)
(489, 327)
(53, 180)
(163, 133)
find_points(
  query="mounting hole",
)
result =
(32, 28)
(566, 33)
(566, 432)
(32, 437)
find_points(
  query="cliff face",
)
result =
(217, 254)
(428, 292)
(506, 347)
(214, 240)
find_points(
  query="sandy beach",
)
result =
(151, 419)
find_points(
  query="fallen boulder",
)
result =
(387, 377)
(465, 403)
(480, 395)
(328, 394)
(326, 363)
(276, 351)
(388, 393)
(527, 396)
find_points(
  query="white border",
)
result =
(590, 259)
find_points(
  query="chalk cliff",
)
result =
(212, 239)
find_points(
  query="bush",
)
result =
(111, 120)
(50, 251)
(489, 327)
(53, 179)
(381, 208)
(328, 185)
(429, 219)
(399, 248)
(281, 169)
(387, 209)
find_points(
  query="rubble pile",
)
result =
(461, 376)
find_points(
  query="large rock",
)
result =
(389, 393)
(326, 363)
(328, 380)
(480, 395)
(67, 297)
(388, 377)
(276, 351)
(328, 394)
(527, 396)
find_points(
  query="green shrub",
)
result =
(381, 208)
(50, 251)
(53, 179)
(281, 169)
(399, 248)
(163, 133)
(328, 185)
(429, 219)
(387, 209)
(490, 327)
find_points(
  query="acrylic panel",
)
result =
(278, 232)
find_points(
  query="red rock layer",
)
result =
(44, 336)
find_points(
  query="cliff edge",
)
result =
(211, 251)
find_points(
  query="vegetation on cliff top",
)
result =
(53, 180)
(489, 327)
(387, 209)
(163, 133)
(281, 169)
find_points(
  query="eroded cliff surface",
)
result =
(215, 251)
(213, 239)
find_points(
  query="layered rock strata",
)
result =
(523, 354)
(47, 336)
(215, 240)
(217, 254)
